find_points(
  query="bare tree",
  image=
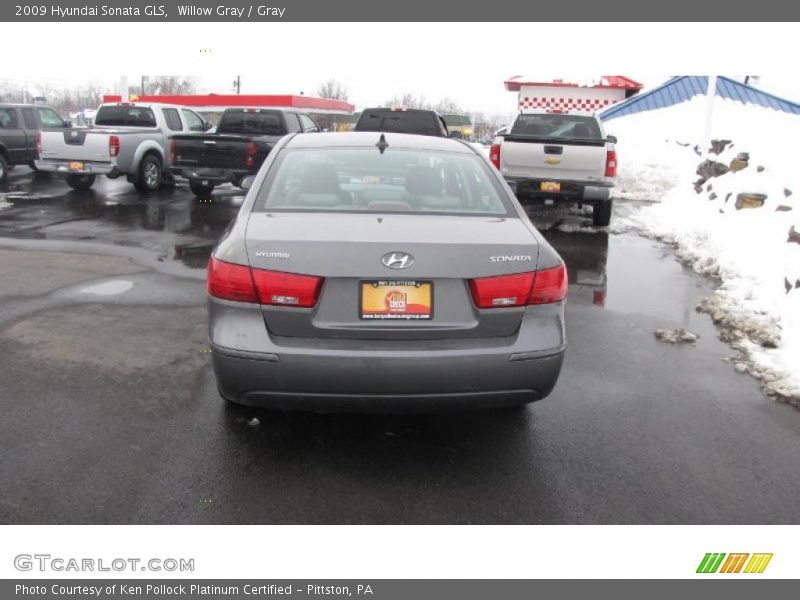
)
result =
(166, 85)
(334, 90)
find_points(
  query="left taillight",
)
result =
(243, 284)
(113, 146)
(519, 289)
(38, 144)
(494, 155)
(611, 163)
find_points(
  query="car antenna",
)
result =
(382, 144)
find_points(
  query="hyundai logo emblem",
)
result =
(397, 260)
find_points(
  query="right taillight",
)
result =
(494, 155)
(250, 151)
(113, 146)
(243, 284)
(38, 144)
(611, 163)
(520, 289)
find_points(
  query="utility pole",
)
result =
(144, 77)
(237, 84)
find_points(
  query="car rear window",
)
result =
(399, 121)
(395, 181)
(125, 116)
(252, 122)
(557, 126)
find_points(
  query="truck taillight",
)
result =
(113, 146)
(611, 163)
(494, 155)
(172, 152)
(535, 287)
(250, 150)
(38, 144)
(240, 283)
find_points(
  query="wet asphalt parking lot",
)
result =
(109, 411)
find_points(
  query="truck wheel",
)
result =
(201, 190)
(149, 178)
(80, 182)
(3, 169)
(601, 213)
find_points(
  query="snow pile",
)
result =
(741, 226)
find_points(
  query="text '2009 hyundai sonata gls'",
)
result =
(383, 270)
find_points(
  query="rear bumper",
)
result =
(90, 168)
(211, 176)
(363, 382)
(258, 369)
(572, 191)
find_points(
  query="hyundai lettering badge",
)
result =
(397, 260)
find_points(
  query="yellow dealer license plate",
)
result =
(397, 299)
(76, 166)
(550, 186)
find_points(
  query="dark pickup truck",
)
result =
(19, 124)
(244, 138)
(402, 120)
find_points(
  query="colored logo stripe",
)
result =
(710, 562)
(733, 564)
(758, 563)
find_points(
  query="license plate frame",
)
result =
(76, 166)
(550, 186)
(371, 290)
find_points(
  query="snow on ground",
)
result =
(757, 304)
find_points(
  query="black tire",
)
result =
(80, 182)
(149, 175)
(3, 169)
(201, 190)
(33, 166)
(601, 213)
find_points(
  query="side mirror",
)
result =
(207, 125)
(68, 124)
(247, 182)
(612, 139)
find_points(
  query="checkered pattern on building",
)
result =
(565, 104)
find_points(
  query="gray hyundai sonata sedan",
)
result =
(368, 270)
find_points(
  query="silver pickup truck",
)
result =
(559, 158)
(128, 138)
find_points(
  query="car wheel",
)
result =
(3, 169)
(601, 213)
(33, 166)
(80, 182)
(149, 178)
(201, 190)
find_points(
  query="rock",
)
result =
(712, 196)
(793, 235)
(745, 200)
(676, 336)
(760, 168)
(743, 156)
(728, 197)
(709, 187)
(254, 422)
(709, 168)
(787, 192)
(698, 186)
(783, 208)
(738, 165)
(787, 285)
(740, 367)
(718, 146)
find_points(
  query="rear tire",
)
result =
(80, 182)
(149, 176)
(601, 213)
(201, 190)
(3, 169)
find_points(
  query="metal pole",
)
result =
(710, 95)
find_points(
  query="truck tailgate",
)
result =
(551, 159)
(211, 151)
(75, 144)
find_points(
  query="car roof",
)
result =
(22, 105)
(366, 139)
(400, 110)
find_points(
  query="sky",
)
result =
(376, 61)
